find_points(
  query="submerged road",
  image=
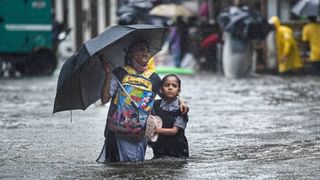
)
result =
(261, 127)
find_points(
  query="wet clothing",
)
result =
(151, 66)
(170, 146)
(311, 34)
(286, 46)
(174, 106)
(118, 148)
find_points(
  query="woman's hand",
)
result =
(105, 65)
(183, 107)
(105, 93)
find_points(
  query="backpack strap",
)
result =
(120, 73)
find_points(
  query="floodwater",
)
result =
(260, 127)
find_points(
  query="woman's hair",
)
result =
(131, 49)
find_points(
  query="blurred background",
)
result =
(43, 31)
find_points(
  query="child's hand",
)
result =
(155, 130)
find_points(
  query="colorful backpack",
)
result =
(129, 118)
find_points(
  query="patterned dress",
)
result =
(118, 148)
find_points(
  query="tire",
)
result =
(42, 61)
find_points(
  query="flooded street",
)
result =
(261, 127)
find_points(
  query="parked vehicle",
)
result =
(28, 37)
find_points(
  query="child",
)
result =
(172, 141)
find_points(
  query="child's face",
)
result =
(170, 88)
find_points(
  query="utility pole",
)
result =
(263, 8)
(94, 20)
(79, 20)
(108, 4)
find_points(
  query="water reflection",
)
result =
(149, 169)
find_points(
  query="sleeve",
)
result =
(118, 73)
(113, 86)
(305, 34)
(288, 41)
(286, 48)
(180, 122)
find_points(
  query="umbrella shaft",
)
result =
(124, 90)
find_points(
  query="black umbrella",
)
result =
(244, 23)
(81, 77)
(307, 8)
(139, 8)
(140, 13)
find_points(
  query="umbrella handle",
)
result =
(104, 62)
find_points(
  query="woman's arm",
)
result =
(167, 131)
(105, 93)
(183, 107)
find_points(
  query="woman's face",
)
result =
(141, 54)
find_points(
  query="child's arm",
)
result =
(167, 131)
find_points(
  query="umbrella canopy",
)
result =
(81, 77)
(139, 8)
(113, 43)
(244, 23)
(132, 10)
(307, 8)
(170, 10)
